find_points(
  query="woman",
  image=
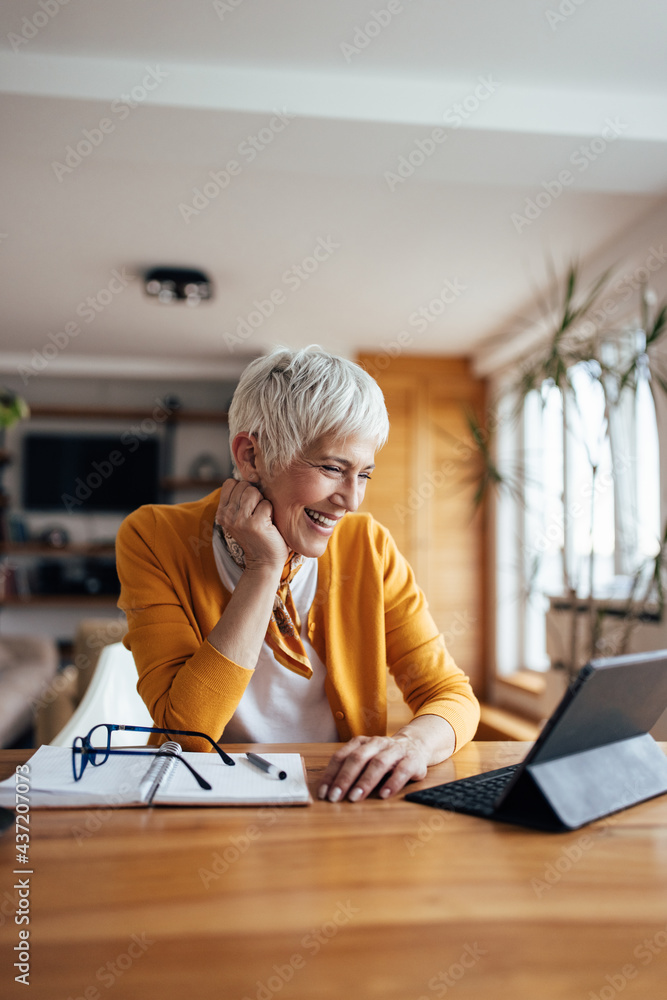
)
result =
(270, 610)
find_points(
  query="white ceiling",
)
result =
(547, 85)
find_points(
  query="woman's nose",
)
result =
(350, 493)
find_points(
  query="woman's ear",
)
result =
(245, 452)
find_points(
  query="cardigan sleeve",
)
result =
(418, 659)
(185, 682)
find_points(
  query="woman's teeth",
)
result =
(320, 518)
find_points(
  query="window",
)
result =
(586, 503)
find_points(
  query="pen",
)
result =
(265, 765)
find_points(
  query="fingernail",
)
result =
(385, 793)
(335, 795)
(355, 794)
(322, 791)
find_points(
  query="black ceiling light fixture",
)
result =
(178, 284)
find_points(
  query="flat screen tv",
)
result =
(89, 473)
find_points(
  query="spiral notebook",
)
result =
(153, 779)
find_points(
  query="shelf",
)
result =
(499, 724)
(172, 483)
(613, 607)
(128, 413)
(28, 566)
(60, 600)
(528, 681)
(198, 417)
(39, 549)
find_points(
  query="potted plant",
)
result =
(12, 409)
(619, 362)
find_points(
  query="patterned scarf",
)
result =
(283, 633)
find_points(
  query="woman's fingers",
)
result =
(362, 764)
(237, 498)
(245, 514)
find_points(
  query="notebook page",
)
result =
(242, 783)
(50, 776)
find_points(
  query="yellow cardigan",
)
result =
(368, 614)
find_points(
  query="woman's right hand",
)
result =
(245, 514)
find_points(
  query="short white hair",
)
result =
(289, 399)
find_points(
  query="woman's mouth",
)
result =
(321, 519)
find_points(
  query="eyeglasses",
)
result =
(83, 750)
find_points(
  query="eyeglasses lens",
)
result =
(99, 739)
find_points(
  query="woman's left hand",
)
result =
(360, 765)
(366, 761)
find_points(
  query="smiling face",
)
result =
(311, 496)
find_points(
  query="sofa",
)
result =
(28, 669)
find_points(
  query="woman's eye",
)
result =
(339, 472)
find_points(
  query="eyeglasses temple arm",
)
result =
(225, 756)
(188, 732)
(173, 732)
(202, 782)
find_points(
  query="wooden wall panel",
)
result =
(423, 488)
(453, 581)
(394, 466)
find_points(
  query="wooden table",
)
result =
(386, 900)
